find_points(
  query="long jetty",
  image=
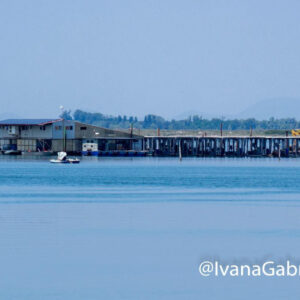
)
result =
(213, 146)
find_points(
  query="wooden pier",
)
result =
(232, 146)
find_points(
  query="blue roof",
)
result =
(28, 121)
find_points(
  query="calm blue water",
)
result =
(138, 228)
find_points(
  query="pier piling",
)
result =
(214, 146)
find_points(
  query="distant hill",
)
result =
(277, 108)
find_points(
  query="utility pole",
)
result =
(64, 133)
(221, 129)
(179, 150)
(287, 146)
(63, 129)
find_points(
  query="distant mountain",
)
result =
(276, 107)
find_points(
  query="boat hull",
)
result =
(12, 152)
(67, 161)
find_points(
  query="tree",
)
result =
(66, 115)
(195, 122)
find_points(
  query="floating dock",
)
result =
(214, 146)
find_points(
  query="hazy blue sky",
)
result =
(137, 57)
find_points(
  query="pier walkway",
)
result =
(214, 146)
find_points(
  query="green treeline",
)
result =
(194, 122)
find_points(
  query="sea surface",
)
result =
(138, 228)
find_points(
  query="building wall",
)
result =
(57, 129)
(85, 131)
(4, 133)
(26, 132)
(71, 145)
(31, 137)
(6, 144)
(27, 145)
(116, 144)
(137, 145)
(36, 132)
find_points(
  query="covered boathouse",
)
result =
(53, 135)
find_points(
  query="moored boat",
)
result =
(62, 159)
(12, 152)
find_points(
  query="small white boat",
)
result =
(62, 159)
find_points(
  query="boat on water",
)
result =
(11, 152)
(62, 159)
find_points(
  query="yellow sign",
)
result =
(295, 132)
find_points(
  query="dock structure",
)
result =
(46, 136)
(214, 146)
(54, 135)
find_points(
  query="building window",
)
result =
(69, 127)
(83, 128)
(43, 128)
(57, 127)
